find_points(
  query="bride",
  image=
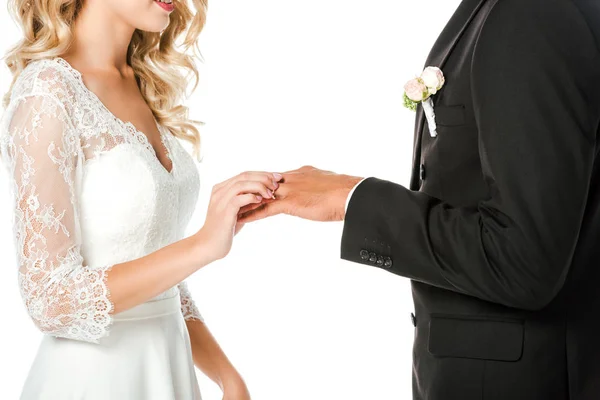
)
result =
(103, 192)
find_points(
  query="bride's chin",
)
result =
(156, 24)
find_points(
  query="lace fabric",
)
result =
(89, 193)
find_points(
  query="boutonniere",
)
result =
(420, 90)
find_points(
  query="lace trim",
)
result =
(139, 136)
(188, 307)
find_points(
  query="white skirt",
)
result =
(146, 356)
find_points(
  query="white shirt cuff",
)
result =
(352, 192)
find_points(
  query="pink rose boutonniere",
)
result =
(420, 90)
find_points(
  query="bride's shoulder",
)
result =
(46, 77)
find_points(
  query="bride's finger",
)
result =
(246, 199)
(267, 178)
(238, 228)
(243, 187)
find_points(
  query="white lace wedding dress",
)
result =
(90, 193)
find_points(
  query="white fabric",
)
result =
(146, 357)
(89, 193)
(351, 193)
(430, 115)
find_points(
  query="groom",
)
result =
(500, 228)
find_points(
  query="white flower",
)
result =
(433, 78)
(416, 90)
(420, 90)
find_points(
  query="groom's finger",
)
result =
(251, 207)
(262, 212)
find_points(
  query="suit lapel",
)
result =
(438, 56)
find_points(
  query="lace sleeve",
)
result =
(64, 296)
(188, 307)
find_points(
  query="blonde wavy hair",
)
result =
(161, 65)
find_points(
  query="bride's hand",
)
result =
(227, 199)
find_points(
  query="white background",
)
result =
(285, 84)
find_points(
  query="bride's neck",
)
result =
(101, 39)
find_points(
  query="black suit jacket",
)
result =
(500, 229)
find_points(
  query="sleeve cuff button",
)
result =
(364, 255)
(373, 257)
(388, 262)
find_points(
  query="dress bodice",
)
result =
(90, 193)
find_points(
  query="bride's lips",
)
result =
(165, 6)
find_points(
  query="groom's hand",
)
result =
(307, 193)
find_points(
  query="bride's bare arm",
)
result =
(212, 361)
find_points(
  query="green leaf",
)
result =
(410, 104)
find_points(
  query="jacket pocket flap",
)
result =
(476, 337)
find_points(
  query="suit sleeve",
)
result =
(535, 84)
